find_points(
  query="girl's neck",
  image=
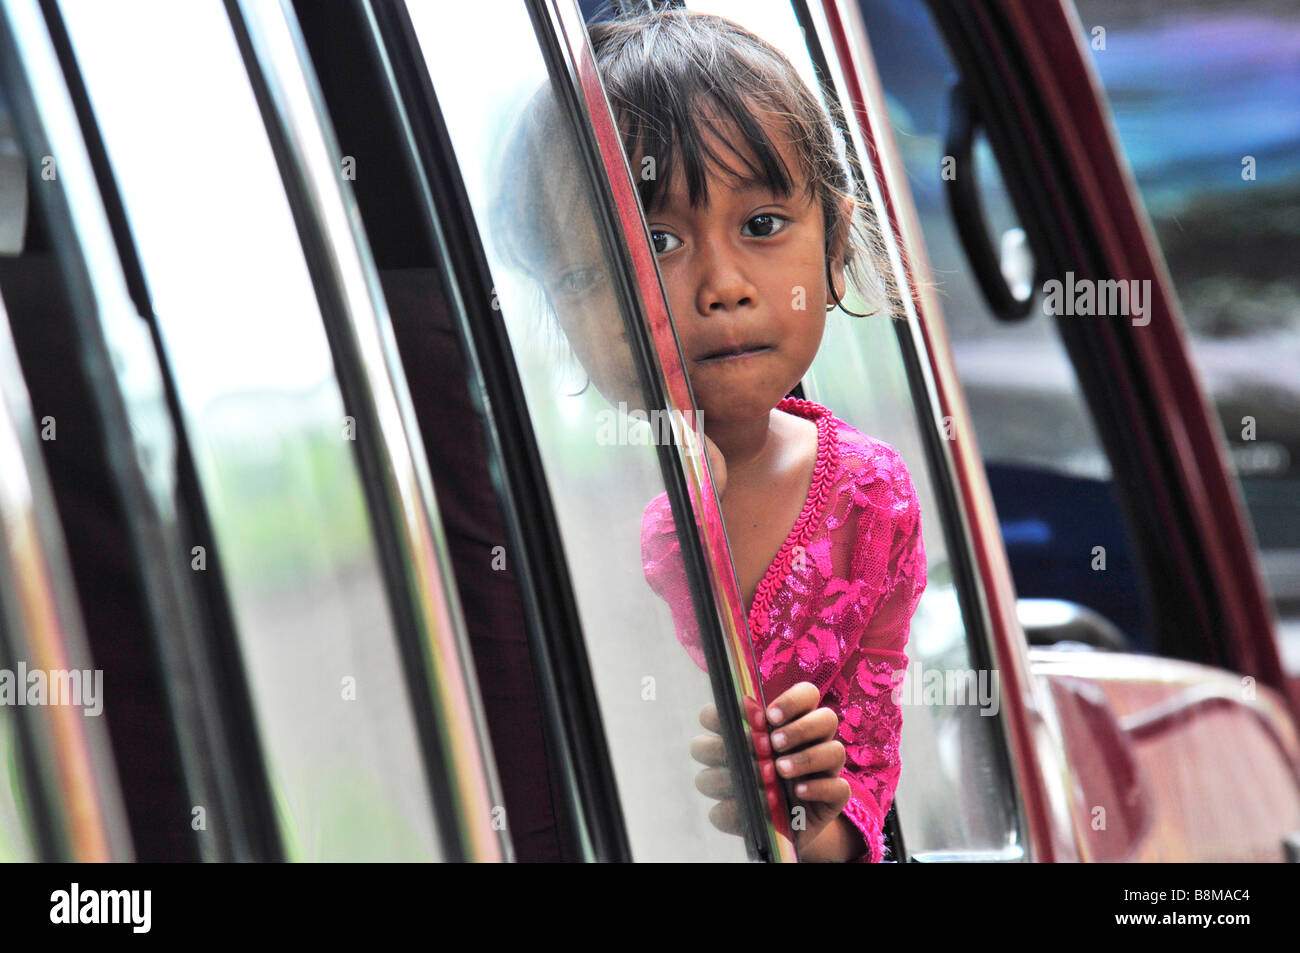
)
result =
(743, 443)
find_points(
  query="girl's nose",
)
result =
(723, 284)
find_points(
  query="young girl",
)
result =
(750, 211)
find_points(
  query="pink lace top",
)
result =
(835, 605)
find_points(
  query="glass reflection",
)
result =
(531, 195)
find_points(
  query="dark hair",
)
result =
(673, 74)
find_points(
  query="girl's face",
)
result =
(746, 282)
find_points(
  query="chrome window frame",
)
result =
(567, 694)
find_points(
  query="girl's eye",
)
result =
(663, 242)
(765, 225)
(579, 280)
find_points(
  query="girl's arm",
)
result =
(865, 691)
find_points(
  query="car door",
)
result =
(455, 121)
(1147, 476)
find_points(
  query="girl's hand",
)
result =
(811, 757)
(805, 736)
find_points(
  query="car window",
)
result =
(556, 285)
(1051, 478)
(1206, 101)
(274, 442)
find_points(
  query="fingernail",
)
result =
(801, 789)
(784, 765)
(778, 739)
(774, 714)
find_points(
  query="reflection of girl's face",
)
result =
(578, 287)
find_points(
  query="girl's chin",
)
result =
(720, 412)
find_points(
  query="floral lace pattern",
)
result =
(835, 605)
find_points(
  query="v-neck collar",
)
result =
(809, 517)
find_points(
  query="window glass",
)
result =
(1049, 474)
(272, 439)
(1206, 101)
(553, 280)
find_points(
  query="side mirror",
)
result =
(1053, 621)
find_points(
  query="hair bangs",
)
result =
(715, 133)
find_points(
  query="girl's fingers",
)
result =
(725, 816)
(812, 728)
(794, 702)
(709, 719)
(709, 749)
(715, 783)
(833, 791)
(827, 756)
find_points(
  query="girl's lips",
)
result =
(718, 356)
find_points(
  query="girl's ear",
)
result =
(837, 258)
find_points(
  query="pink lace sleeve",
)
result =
(888, 562)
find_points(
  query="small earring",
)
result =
(830, 283)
